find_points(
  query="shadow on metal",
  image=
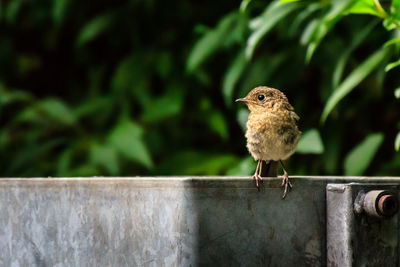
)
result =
(165, 221)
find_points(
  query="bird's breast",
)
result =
(271, 136)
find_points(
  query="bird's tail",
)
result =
(269, 169)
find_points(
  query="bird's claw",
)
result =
(285, 184)
(258, 179)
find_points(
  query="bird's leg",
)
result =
(259, 172)
(256, 175)
(285, 180)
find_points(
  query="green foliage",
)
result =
(140, 88)
(262, 24)
(358, 160)
(310, 143)
(397, 142)
(127, 138)
(354, 78)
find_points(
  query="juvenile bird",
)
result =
(271, 130)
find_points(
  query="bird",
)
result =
(272, 131)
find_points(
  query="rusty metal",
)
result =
(376, 203)
(388, 205)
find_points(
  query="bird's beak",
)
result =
(240, 100)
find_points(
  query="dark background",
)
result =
(148, 87)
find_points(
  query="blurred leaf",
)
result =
(132, 75)
(84, 170)
(309, 31)
(390, 24)
(392, 41)
(197, 163)
(210, 42)
(57, 110)
(163, 107)
(244, 4)
(323, 26)
(397, 142)
(302, 16)
(242, 116)
(232, 76)
(217, 123)
(64, 161)
(397, 92)
(261, 70)
(360, 157)
(245, 167)
(32, 152)
(11, 11)
(358, 38)
(274, 12)
(104, 156)
(392, 65)
(96, 106)
(355, 77)
(94, 28)
(59, 10)
(310, 143)
(127, 138)
(364, 7)
(11, 96)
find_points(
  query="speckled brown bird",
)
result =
(271, 131)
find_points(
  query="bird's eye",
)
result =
(261, 97)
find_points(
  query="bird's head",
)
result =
(263, 98)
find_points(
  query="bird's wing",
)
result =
(294, 116)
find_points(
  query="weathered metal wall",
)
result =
(171, 221)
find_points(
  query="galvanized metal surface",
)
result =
(170, 221)
(356, 237)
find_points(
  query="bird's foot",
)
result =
(285, 184)
(258, 180)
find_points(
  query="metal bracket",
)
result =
(362, 224)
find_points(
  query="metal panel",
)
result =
(170, 221)
(355, 238)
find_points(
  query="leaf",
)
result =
(392, 41)
(302, 16)
(310, 143)
(217, 123)
(242, 117)
(56, 110)
(12, 96)
(364, 7)
(392, 65)
(397, 142)
(94, 28)
(232, 76)
(274, 12)
(360, 157)
(359, 37)
(243, 5)
(210, 42)
(127, 138)
(355, 77)
(245, 167)
(197, 163)
(59, 10)
(48, 109)
(11, 11)
(397, 92)
(104, 156)
(325, 24)
(130, 73)
(163, 107)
